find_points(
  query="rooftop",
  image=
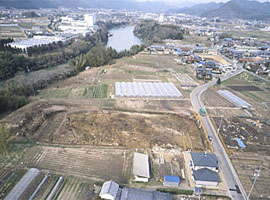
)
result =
(141, 194)
(204, 159)
(141, 165)
(111, 188)
(169, 178)
(206, 175)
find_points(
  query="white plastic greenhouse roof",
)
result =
(150, 90)
(237, 101)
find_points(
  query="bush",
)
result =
(176, 191)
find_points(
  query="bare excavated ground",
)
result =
(66, 123)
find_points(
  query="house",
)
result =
(110, 190)
(142, 194)
(206, 177)
(203, 73)
(172, 181)
(204, 168)
(204, 160)
(156, 48)
(141, 167)
(212, 52)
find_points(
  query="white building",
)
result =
(36, 41)
(90, 20)
(161, 18)
(141, 167)
(110, 191)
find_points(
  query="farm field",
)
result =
(8, 179)
(77, 128)
(246, 164)
(247, 87)
(250, 127)
(11, 31)
(89, 162)
(255, 34)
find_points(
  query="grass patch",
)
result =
(16, 152)
(96, 91)
(176, 191)
(138, 72)
(252, 96)
(245, 79)
(181, 70)
(216, 196)
(255, 34)
(56, 93)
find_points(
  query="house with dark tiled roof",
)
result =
(204, 168)
(111, 191)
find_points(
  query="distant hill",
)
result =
(109, 4)
(197, 9)
(242, 9)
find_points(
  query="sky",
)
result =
(195, 1)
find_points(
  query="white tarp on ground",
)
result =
(143, 89)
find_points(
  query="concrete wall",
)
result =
(206, 183)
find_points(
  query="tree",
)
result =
(219, 81)
(5, 139)
(79, 63)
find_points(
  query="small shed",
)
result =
(172, 181)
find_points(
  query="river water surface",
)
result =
(123, 38)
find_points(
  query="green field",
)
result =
(56, 93)
(245, 79)
(96, 91)
(139, 72)
(254, 34)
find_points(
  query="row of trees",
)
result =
(152, 32)
(100, 55)
(11, 63)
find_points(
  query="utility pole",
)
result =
(220, 124)
(256, 175)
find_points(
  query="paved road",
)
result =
(226, 167)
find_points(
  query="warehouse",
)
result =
(146, 90)
(24, 44)
(141, 168)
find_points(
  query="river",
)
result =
(123, 38)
